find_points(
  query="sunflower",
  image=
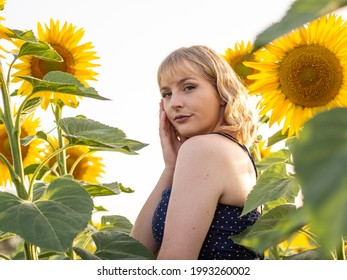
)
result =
(4, 31)
(4, 34)
(31, 153)
(88, 167)
(2, 4)
(236, 58)
(77, 58)
(303, 73)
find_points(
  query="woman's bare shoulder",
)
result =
(218, 153)
(208, 143)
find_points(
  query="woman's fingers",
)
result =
(169, 139)
(162, 121)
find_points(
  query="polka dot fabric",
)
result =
(217, 245)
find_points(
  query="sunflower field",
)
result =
(296, 71)
(55, 173)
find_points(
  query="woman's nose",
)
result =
(176, 100)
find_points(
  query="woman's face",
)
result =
(191, 102)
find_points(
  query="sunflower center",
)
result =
(310, 75)
(41, 67)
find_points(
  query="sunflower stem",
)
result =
(8, 81)
(340, 250)
(20, 109)
(30, 251)
(61, 158)
(71, 253)
(13, 133)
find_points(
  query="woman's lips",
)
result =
(181, 118)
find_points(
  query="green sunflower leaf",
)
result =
(27, 36)
(277, 137)
(280, 156)
(272, 228)
(31, 105)
(115, 223)
(301, 12)
(53, 221)
(103, 189)
(125, 189)
(39, 190)
(41, 135)
(62, 77)
(6, 235)
(85, 254)
(98, 136)
(40, 50)
(272, 185)
(320, 159)
(62, 82)
(313, 254)
(115, 246)
(100, 208)
(27, 140)
(30, 169)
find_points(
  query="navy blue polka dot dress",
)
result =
(226, 222)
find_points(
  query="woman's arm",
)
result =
(197, 187)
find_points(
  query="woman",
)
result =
(205, 123)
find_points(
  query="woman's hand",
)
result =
(169, 139)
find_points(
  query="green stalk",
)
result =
(14, 139)
(71, 253)
(340, 250)
(30, 251)
(275, 252)
(61, 159)
(20, 109)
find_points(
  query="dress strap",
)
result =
(241, 145)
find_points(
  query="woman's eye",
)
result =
(166, 94)
(188, 88)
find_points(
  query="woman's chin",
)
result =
(187, 134)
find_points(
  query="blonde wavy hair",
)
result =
(239, 117)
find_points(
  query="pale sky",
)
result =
(132, 37)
